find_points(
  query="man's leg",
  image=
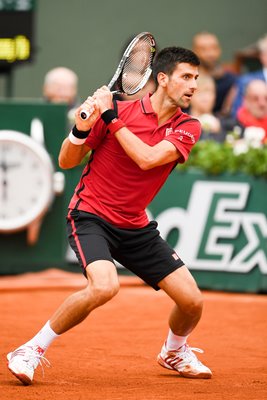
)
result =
(176, 354)
(103, 284)
(183, 290)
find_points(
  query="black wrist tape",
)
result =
(108, 116)
(80, 134)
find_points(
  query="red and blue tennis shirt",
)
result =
(112, 185)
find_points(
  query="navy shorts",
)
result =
(142, 251)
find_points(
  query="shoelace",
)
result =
(33, 357)
(36, 358)
(186, 353)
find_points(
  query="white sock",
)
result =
(44, 337)
(174, 342)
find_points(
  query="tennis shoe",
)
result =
(184, 361)
(23, 361)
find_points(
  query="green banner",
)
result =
(217, 225)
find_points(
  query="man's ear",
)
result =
(163, 79)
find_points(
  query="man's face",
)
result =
(181, 84)
(60, 92)
(256, 100)
(207, 48)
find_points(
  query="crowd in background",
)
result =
(227, 102)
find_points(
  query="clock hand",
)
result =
(14, 165)
(4, 194)
(5, 166)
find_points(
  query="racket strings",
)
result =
(137, 66)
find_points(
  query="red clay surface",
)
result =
(112, 354)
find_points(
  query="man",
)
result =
(207, 47)
(253, 112)
(134, 149)
(261, 74)
(61, 86)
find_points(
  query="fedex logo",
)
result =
(209, 228)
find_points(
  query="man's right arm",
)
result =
(71, 154)
(73, 148)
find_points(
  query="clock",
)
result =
(27, 181)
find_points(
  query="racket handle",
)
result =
(84, 114)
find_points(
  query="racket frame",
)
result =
(119, 71)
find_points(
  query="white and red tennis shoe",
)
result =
(184, 361)
(23, 361)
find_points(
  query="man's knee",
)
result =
(103, 282)
(193, 305)
(103, 291)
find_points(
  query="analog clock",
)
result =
(26, 181)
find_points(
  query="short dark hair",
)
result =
(167, 59)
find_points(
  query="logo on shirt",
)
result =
(185, 133)
(168, 131)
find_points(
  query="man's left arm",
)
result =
(145, 156)
(175, 146)
(171, 148)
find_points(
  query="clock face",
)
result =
(26, 185)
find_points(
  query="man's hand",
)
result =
(103, 98)
(92, 107)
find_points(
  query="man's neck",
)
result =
(162, 107)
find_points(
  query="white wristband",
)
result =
(74, 140)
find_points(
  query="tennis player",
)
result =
(134, 147)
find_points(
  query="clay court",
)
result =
(112, 354)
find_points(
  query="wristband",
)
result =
(80, 134)
(74, 140)
(115, 125)
(108, 116)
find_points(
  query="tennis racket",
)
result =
(134, 69)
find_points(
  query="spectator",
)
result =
(246, 78)
(61, 86)
(202, 104)
(206, 45)
(253, 112)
